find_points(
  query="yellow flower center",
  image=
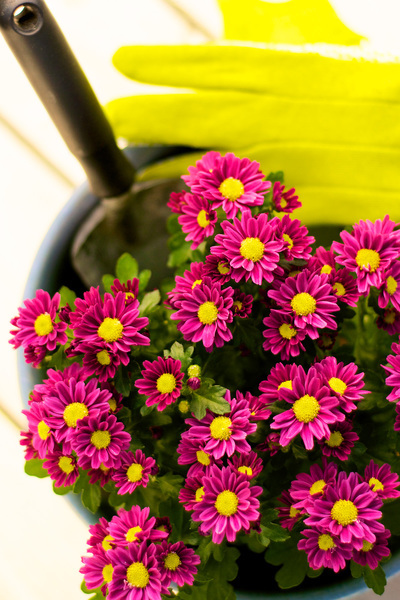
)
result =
(110, 330)
(203, 457)
(202, 220)
(288, 239)
(134, 473)
(231, 188)
(344, 512)
(391, 285)
(106, 545)
(107, 573)
(325, 542)
(286, 384)
(100, 439)
(368, 259)
(131, 534)
(339, 289)
(137, 575)
(223, 268)
(43, 430)
(207, 313)
(287, 331)
(199, 494)
(112, 403)
(303, 304)
(306, 408)
(128, 296)
(389, 316)
(73, 412)
(220, 428)
(103, 357)
(65, 464)
(375, 484)
(237, 306)
(172, 561)
(43, 324)
(196, 282)
(246, 470)
(337, 385)
(183, 406)
(367, 546)
(166, 383)
(317, 487)
(293, 512)
(326, 269)
(335, 439)
(227, 503)
(252, 249)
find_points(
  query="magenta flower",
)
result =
(185, 284)
(177, 201)
(205, 165)
(382, 481)
(102, 475)
(191, 452)
(205, 315)
(233, 183)
(26, 441)
(309, 486)
(345, 286)
(349, 509)
(62, 468)
(229, 504)
(177, 563)
(224, 434)
(284, 201)
(257, 407)
(390, 289)
(340, 442)
(322, 261)
(97, 570)
(367, 253)
(250, 246)
(90, 299)
(310, 299)
(192, 493)
(130, 289)
(101, 438)
(100, 535)
(288, 514)
(372, 553)
(249, 465)
(389, 321)
(281, 336)
(36, 323)
(324, 550)
(47, 387)
(280, 376)
(198, 219)
(343, 380)
(101, 360)
(393, 379)
(242, 304)
(34, 355)
(313, 409)
(135, 573)
(218, 268)
(134, 470)
(297, 242)
(43, 439)
(161, 382)
(134, 525)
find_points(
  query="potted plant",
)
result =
(246, 405)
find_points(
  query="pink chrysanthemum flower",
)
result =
(218, 268)
(198, 219)
(390, 289)
(47, 387)
(101, 438)
(177, 563)
(284, 201)
(43, 439)
(161, 381)
(343, 380)
(100, 535)
(250, 246)
(281, 336)
(389, 321)
(134, 470)
(349, 509)
(71, 402)
(310, 299)
(345, 286)
(288, 514)
(36, 323)
(224, 434)
(192, 492)
(102, 475)
(191, 452)
(280, 376)
(26, 441)
(205, 315)
(297, 242)
(271, 444)
(62, 468)
(90, 299)
(136, 575)
(97, 570)
(101, 360)
(242, 304)
(177, 201)
(113, 322)
(229, 504)
(130, 289)
(313, 409)
(393, 379)
(233, 183)
(382, 481)
(134, 525)
(309, 486)
(185, 284)
(367, 253)
(34, 355)
(250, 465)
(372, 553)
(322, 261)
(205, 165)
(257, 407)
(340, 442)
(324, 550)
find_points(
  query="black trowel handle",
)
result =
(38, 44)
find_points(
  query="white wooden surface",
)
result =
(41, 534)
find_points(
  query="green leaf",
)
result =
(107, 281)
(144, 278)
(211, 397)
(67, 297)
(127, 267)
(178, 352)
(34, 467)
(180, 256)
(170, 484)
(98, 595)
(91, 497)
(374, 578)
(62, 490)
(149, 302)
(294, 563)
(122, 382)
(274, 532)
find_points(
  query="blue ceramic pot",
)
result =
(51, 269)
